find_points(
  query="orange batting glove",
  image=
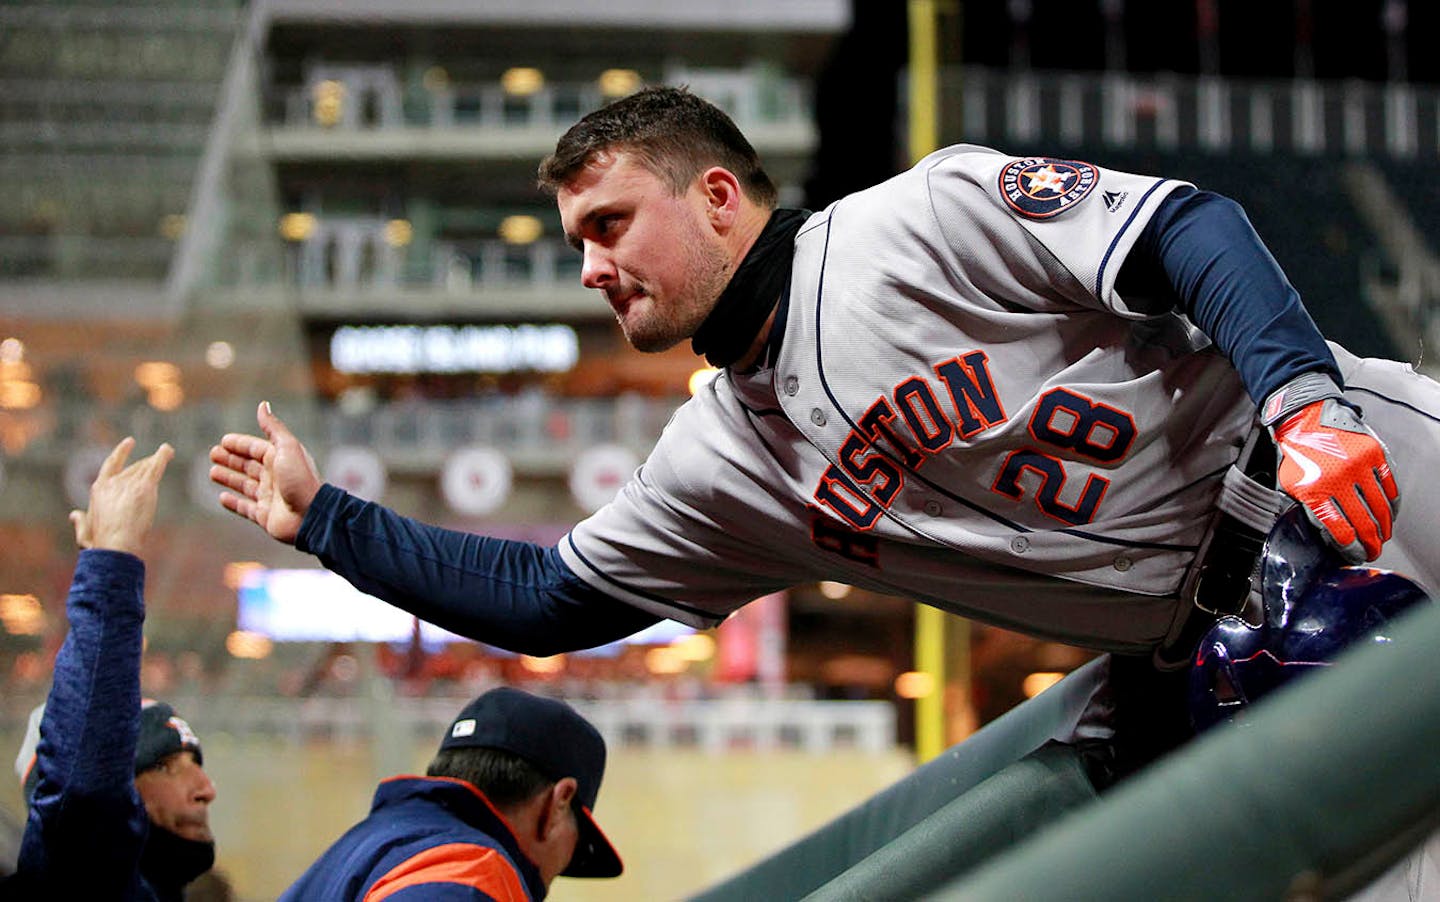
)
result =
(1333, 464)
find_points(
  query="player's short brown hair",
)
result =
(671, 132)
(504, 777)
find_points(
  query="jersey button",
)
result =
(1123, 563)
(933, 508)
(817, 416)
(1019, 544)
(792, 385)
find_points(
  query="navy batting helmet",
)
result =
(1315, 606)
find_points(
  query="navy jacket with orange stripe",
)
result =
(425, 838)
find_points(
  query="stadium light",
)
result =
(328, 102)
(156, 372)
(665, 661)
(399, 232)
(522, 81)
(166, 396)
(619, 82)
(297, 226)
(915, 684)
(248, 645)
(546, 666)
(520, 229)
(220, 355)
(695, 648)
(19, 395)
(22, 615)
(701, 378)
(435, 79)
(1036, 683)
(172, 226)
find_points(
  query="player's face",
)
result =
(653, 253)
(177, 795)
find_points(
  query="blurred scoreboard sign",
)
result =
(312, 605)
(417, 349)
(318, 606)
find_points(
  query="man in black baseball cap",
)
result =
(505, 806)
(172, 785)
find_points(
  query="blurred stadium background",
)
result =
(208, 203)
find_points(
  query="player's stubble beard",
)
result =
(660, 324)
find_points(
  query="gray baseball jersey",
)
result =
(963, 411)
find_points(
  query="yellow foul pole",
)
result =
(924, 78)
(924, 136)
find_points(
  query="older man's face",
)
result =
(177, 795)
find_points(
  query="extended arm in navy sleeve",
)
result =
(86, 824)
(1200, 254)
(515, 595)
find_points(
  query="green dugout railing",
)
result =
(926, 807)
(1326, 785)
(1333, 780)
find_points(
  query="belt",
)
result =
(1224, 577)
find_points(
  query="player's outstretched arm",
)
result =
(271, 481)
(516, 595)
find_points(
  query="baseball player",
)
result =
(1030, 391)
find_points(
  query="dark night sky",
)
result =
(1254, 38)
(856, 104)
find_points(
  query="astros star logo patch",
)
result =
(1042, 187)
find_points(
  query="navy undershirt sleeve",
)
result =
(515, 595)
(1200, 255)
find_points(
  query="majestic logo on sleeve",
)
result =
(1041, 187)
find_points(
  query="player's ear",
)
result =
(722, 195)
(557, 806)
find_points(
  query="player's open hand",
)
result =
(271, 480)
(1334, 465)
(122, 500)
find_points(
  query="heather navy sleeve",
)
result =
(86, 824)
(441, 892)
(516, 595)
(1200, 255)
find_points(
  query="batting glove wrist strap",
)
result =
(1295, 394)
(1340, 471)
